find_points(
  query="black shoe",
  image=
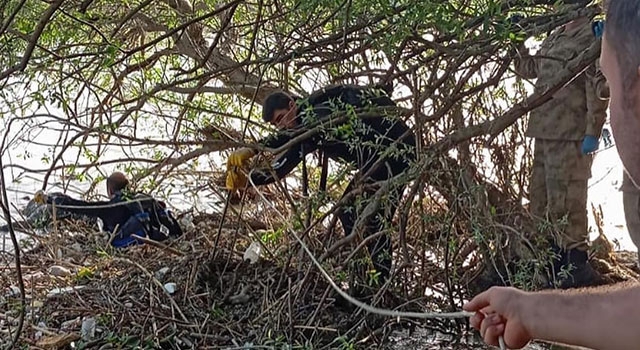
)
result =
(571, 269)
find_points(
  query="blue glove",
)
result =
(515, 18)
(597, 28)
(590, 144)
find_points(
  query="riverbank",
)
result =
(81, 293)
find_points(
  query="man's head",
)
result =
(116, 182)
(280, 110)
(620, 62)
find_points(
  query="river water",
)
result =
(603, 188)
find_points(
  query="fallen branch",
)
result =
(158, 244)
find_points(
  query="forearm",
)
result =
(594, 125)
(600, 318)
(73, 205)
(595, 122)
(100, 209)
(600, 84)
(279, 169)
(261, 177)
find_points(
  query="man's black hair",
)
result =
(117, 182)
(275, 101)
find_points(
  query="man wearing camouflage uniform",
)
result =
(566, 130)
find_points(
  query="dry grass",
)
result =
(222, 301)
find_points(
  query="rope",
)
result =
(349, 298)
(100, 206)
(373, 309)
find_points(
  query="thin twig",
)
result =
(157, 283)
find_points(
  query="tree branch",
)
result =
(42, 23)
(495, 126)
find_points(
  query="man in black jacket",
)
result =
(39, 211)
(123, 215)
(378, 145)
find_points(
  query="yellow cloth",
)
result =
(235, 179)
(40, 197)
(236, 167)
(240, 157)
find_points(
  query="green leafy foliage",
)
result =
(161, 90)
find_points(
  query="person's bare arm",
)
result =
(598, 318)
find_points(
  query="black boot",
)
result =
(571, 269)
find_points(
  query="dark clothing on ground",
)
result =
(39, 216)
(124, 215)
(380, 147)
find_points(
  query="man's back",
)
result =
(117, 214)
(342, 134)
(361, 141)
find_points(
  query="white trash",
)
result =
(88, 329)
(59, 271)
(253, 253)
(159, 275)
(187, 222)
(170, 287)
(57, 291)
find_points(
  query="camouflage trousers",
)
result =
(558, 190)
(631, 201)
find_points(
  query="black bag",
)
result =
(150, 218)
(162, 224)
